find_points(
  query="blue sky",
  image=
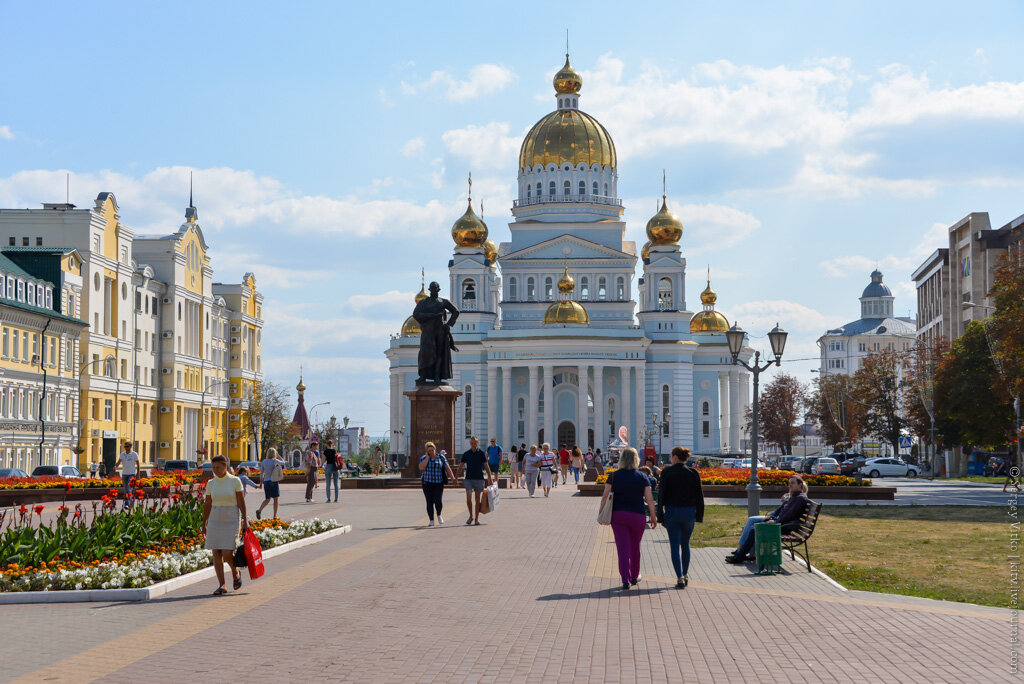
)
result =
(804, 144)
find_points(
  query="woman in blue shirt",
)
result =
(633, 496)
(433, 468)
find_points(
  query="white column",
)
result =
(531, 409)
(507, 410)
(744, 394)
(583, 421)
(599, 419)
(723, 411)
(549, 406)
(396, 396)
(627, 404)
(641, 397)
(736, 413)
(492, 403)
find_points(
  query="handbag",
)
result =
(492, 496)
(253, 554)
(604, 516)
(485, 504)
(278, 473)
(304, 467)
(240, 560)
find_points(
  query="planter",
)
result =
(775, 493)
(12, 497)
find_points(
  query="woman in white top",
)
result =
(547, 462)
(271, 487)
(223, 506)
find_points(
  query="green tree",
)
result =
(266, 418)
(877, 388)
(831, 406)
(919, 390)
(779, 407)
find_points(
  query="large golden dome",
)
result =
(566, 312)
(664, 228)
(411, 327)
(567, 136)
(567, 81)
(708, 320)
(469, 230)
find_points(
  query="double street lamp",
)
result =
(777, 339)
(660, 425)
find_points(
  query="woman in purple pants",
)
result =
(632, 511)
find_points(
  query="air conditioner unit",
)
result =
(234, 340)
(236, 328)
(95, 433)
(235, 401)
(165, 445)
(234, 357)
(234, 446)
(167, 300)
(233, 434)
(165, 371)
(233, 418)
(165, 409)
(168, 334)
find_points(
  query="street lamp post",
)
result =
(202, 413)
(312, 414)
(659, 425)
(777, 339)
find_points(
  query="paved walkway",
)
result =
(529, 596)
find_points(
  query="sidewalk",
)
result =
(531, 595)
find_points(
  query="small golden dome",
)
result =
(567, 135)
(708, 296)
(567, 81)
(709, 322)
(566, 284)
(411, 327)
(491, 251)
(301, 386)
(422, 294)
(664, 228)
(469, 230)
(645, 253)
(566, 312)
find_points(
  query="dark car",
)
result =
(70, 472)
(181, 465)
(849, 463)
(807, 466)
(12, 472)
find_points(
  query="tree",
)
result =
(266, 419)
(972, 403)
(919, 390)
(781, 403)
(877, 387)
(832, 407)
(1007, 329)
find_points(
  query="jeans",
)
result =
(432, 492)
(628, 529)
(331, 474)
(679, 523)
(747, 536)
(531, 481)
(575, 473)
(310, 482)
(126, 484)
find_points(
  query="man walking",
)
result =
(494, 454)
(563, 462)
(130, 467)
(471, 469)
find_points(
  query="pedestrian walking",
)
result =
(332, 470)
(588, 460)
(434, 473)
(563, 461)
(271, 474)
(513, 467)
(632, 491)
(472, 466)
(680, 507)
(531, 469)
(494, 457)
(376, 462)
(311, 460)
(131, 467)
(599, 462)
(548, 471)
(223, 509)
(787, 514)
(576, 463)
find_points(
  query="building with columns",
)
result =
(557, 341)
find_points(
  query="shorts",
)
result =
(271, 489)
(495, 467)
(474, 485)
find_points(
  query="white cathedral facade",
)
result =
(555, 344)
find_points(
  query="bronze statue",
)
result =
(436, 343)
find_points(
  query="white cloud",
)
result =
(486, 147)
(334, 365)
(392, 299)
(290, 329)
(709, 227)
(5, 133)
(897, 266)
(414, 147)
(483, 79)
(758, 317)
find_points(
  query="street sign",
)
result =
(905, 442)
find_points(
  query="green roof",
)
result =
(42, 311)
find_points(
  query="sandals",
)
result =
(238, 582)
(682, 582)
(220, 591)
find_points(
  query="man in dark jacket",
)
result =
(788, 515)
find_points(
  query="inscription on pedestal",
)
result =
(432, 412)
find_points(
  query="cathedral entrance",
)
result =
(566, 435)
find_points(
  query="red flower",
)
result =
(23, 510)
(67, 487)
(78, 514)
(39, 509)
(63, 509)
(175, 497)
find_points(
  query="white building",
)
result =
(556, 341)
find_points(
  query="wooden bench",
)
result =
(799, 536)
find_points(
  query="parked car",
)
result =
(254, 469)
(181, 465)
(786, 462)
(745, 463)
(807, 465)
(12, 472)
(70, 472)
(826, 466)
(888, 467)
(796, 465)
(851, 464)
(729, 462)
(207, 467)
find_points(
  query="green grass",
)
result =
(978, 478)
(953, 553)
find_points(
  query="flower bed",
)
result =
(767, 478)
(157, 479)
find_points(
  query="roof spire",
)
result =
(567, 41)
(469, 193)
(709, 275)
(191, 215)
(190, 189)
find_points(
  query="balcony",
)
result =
(567, 199)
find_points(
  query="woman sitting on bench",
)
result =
(787, 514)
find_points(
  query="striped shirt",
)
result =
(434, 470)
(547, 460)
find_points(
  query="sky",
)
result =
(804, 144)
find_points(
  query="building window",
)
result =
(595, 187)
(31, 294)
(665, 414)
(548, 290)
(706, 428)
(705, 408)
(620, 289)
(862, 347)
(602, 289)
(531, 293)
(539, 190)
(469, 293)
(551, 188)
(468, 417)
(6, 345)
(529, 191)
(584, 288)
(606, 190)
(521, 419)
(512, 289)
(665, 294)
(566, 188)
(583, 188)
(108, 409)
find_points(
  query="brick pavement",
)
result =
(530, 595)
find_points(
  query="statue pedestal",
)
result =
(432, 413)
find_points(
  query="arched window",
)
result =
(602, 289)
(584, 288)
(605, 189)
(548, 289)
(539, 190)
(583, 188)
(665, 415)
(566, 188)
(551, 188)
(469, 290)
(531, 291)
(575, 102)
(529, 191)
(705, 408)
(512, 289)
(595, 187)
(665, 294)
(521, 419)
(468, 416)
(620, 289)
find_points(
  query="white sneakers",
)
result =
(440, 520)
(430, 524)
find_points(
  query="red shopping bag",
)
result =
(253, 554)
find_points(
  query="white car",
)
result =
(729, 462)
(65, 471)
(826, 466)
(888, 467)
(745, 463)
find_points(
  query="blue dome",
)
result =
(876, 288)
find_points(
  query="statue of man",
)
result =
(436, 343)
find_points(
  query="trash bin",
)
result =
(768, 547)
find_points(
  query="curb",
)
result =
(154, 590)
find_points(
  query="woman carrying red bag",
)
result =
(223, 509)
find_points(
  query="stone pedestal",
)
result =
(432, 410)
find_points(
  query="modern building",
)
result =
(556, 340)
(170, 358)
(843, 349)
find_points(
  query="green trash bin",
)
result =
(768, 547)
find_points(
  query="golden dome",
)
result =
(422, 294)
(411, 327)
(491, 251)
(567, 81)
(301, 386)
(708, 322)
(664, 228)
(566, 312)
(566, 284)
(567, 135)
(708, 296)
(645, 253)
(469, 230)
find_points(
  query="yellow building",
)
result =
(156, 362)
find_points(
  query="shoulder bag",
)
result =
(604, 517)
(278, 473)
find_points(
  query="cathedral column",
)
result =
(641, 396)
(396, 408)
(549, 407)
(531, 408)
(736, 413)
(599, 419)
(583, 421)
(744, 394)
(492, 403)
(507, 411)
(626, 389)
(723, 411)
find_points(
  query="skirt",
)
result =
(222, 528)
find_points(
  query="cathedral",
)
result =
(556, 340)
